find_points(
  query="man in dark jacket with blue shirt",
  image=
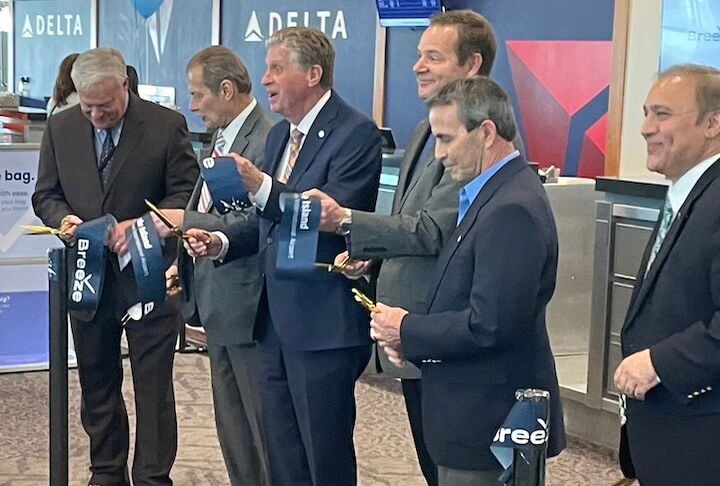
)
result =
(484, 333)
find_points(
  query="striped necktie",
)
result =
(295, 141)
(665, 222)
(106, 154)
(205, 201)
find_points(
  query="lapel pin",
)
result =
(321, 134)
(459, 238)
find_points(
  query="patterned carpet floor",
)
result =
(384, 446)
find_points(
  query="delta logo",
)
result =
(332, 24)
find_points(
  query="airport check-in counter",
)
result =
(625, 214)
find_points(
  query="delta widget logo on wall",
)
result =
(59, 25)
(331, 23)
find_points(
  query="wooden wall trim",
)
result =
(621, 25)
(379, 76)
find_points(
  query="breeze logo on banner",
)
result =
(332, 24)
(60, 25)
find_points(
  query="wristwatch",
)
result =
(345, 223)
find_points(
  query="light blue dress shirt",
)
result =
(471, 190)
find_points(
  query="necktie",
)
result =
(205, 201)
(667, 217)
(295, 140)
(106, 154)
(464, 205)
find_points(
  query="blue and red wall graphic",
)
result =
(562, 92)
(554, 59)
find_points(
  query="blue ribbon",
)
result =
(524, 428)
(87, 269)
(298, 236)
(146, 255)
(226, 188)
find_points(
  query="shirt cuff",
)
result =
(260, 198)
(225, 246)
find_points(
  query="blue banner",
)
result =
(87, 263)
(690, 32)
(145, 248)
(226, 188)
(525, 427)
(349, 24)
(158, 38)
(47, 30)
(298, 236)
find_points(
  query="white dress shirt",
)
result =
(680, 189)
(260, 198)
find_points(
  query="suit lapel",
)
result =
(132, 133)
(416, 179)
(490, 188)
(645, 282)
(413, 151)
(276, 148)
(241, 139)
(319, 132)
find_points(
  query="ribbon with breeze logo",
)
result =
(226, 188)
(524, 434)
(87, 269)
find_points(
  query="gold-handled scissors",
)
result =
(330, 267)
(42, 230)
(168, 222)
(364, 300)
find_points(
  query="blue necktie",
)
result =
(106, 154)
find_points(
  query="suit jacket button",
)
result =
(709, 388)
(696, 393)
(690, 396)
(270, 240)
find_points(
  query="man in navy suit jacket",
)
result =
(484, 333)
(670, 373)
(314, 340)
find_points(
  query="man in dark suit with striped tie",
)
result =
(106, 156)
(224, 299)
(670, 374)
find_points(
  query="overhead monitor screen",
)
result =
(407, 13)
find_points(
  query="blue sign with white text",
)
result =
(349, 24)
(690, 32)
(47, 31)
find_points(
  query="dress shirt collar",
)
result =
(473, 188)
(680, 190)
(116, 130)
(230, 132)
(307, 121)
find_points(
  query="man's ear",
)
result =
(227, 89)
(314, 75)
(474, 64)
(712, 125)
(488, 130)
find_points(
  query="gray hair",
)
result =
(95, 65)
(707, 89)
(475, 35)
(219, 63)
(308, 47)
(478, 99)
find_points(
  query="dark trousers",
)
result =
(237, 412)
(461, 477)
(412, 392)
(670, 449)
(151, 344)
(308, 411)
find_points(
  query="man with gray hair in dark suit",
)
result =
(224, 299)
